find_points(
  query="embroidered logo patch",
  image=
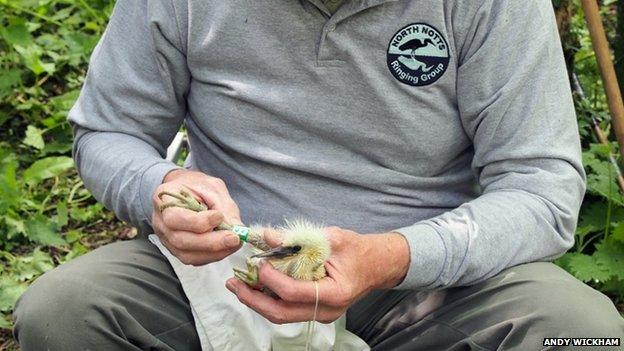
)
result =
(418, 55)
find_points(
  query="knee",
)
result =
(55, 307)
(587, 313)
(569, 308)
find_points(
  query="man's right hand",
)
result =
(189, 235)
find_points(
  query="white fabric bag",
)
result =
(224, 323)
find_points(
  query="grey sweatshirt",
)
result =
(450, 122)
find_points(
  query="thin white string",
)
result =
(311, 323)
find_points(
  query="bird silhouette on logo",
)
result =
(414, 45)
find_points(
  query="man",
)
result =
(446, 127)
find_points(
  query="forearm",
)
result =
(508, 225)
(121, 171)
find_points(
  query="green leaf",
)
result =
(92, 26)
(585, 268)
(32, 4)
(57, 147)
(66, 101)
(42, 231)
(610, 256)
(601, 175)
(47, 168)
(77, 250)
(601, 149)
(618, 232)
(600, 184)
(16, 33)
(62, 14)
(32, 59)
(10, 291)
(86, 214)
(34, 137)
(33, 265)
(9, 187)
(5, 323)
(72, 236)
(80, 44)
(9, 78)
(16, 226)
(48, 67)
(592, 218)
(591, 161)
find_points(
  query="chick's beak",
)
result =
(279, 252)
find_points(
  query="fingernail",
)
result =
(231, 240)
(230, 286)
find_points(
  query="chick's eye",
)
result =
(297, 248)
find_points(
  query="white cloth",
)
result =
(224, 323)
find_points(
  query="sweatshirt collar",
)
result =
(349, 8)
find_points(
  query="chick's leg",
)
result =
(185, 200)
(250, 275)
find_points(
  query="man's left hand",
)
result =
(358, 264)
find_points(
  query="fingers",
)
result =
(189, 234)
(176, 218)
(197, 249)
(180, 240)
(197, 258)
(293, 290)
(280, 311)
(208, 242)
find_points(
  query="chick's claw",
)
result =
(250, 275)
(185, 200)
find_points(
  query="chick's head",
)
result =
(303, 252)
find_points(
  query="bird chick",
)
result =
(302, 254)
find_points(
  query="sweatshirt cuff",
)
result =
(150, 180)
(427, 257)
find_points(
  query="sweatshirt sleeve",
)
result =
(515, 104)
(131, 106)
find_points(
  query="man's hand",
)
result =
(358, 264)
(189, 235)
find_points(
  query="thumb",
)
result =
(273, 237)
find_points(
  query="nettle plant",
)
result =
(598, 254)
(45, 211)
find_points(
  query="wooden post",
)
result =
(619, 45)
(607, 71)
